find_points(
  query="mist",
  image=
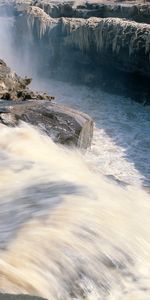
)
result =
(6, 42)
(17, 53)
(73, 225)
(59, 72)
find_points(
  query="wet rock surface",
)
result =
(64, 125)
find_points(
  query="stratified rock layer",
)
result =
(107, 39)
(125, 44)
(103, 43)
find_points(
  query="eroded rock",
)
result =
(107, 39)
(64, 125)
(100, 43)
(13, 87)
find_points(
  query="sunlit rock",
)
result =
(14, 87)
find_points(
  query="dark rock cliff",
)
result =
(125, 43)
(93, 39)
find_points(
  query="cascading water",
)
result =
(120, 146)
(66, 230)
(67, 233)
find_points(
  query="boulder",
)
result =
(64, 125)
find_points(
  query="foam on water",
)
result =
(121, 145)
(66, 232)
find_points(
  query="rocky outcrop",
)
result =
(13, 87)
(64, 125)
(132, 10)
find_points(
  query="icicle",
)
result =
(43, 22)
(112, 33)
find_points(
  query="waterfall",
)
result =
(75, 225)
(66, 232)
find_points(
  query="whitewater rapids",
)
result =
(65, 232)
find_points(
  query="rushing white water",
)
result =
(65, 232)
(121, 144)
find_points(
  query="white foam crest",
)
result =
(66, 232)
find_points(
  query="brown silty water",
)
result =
(65, 232)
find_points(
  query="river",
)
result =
(121, 143)
(76, 225)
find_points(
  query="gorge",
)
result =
(86, 43)
(74, 150)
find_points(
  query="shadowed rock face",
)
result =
(89, 42)
(62, 124)
(92, 43)
(125, 44)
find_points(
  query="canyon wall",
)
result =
(121, 42)
(87, 36)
